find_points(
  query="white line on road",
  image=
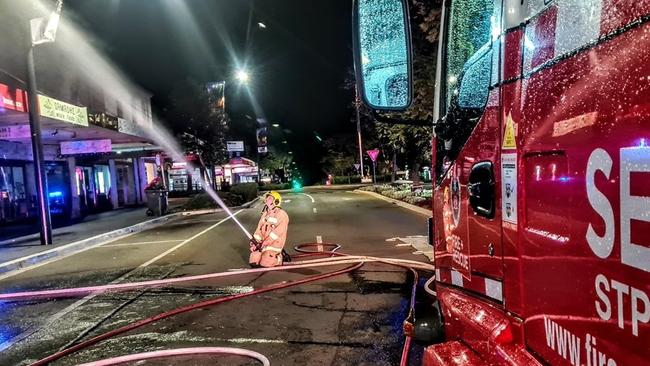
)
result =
(67, 310)
(141, 242)
(403, 245)
(152, 260)
(312, 198)
(315, 210)
(319, 239)
(287, 201)
(252, 340)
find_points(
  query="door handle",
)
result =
(481, 188)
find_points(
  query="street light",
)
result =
(261, 25)
(42, 30)
(275, 125)
(243, 76)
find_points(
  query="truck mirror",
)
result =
(382, 53)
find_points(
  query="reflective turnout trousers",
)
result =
(271, 232)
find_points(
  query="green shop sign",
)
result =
(63, 111)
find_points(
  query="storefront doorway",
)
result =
(14, 202)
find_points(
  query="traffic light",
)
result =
(296, 185)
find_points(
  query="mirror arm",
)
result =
(399, 121)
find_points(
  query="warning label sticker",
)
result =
(509, 188)
(509, 136)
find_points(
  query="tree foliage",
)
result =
(340, 155)
(201, 128)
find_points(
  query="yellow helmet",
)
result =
(277, 198)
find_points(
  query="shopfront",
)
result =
(238, 170)
(93, 162)
(14, 202)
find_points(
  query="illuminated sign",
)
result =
(14, 132)
(232, 146)
(12, 98)
(63, 111)
(86, 147)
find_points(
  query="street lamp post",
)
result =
(37, 152)
(42, 30)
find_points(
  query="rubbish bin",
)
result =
(156, 202)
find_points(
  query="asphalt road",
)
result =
(352, 319)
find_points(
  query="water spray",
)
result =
(104, 76)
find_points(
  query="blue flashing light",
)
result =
(564, 179)
(56, 194)
(643, 143)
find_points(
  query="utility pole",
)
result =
(41, 30)
(357, 101)
(37, 151)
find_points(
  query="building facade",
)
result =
(98, 154)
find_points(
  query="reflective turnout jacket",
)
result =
(272, 229)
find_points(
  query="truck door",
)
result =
(468, 250)
(578, 91)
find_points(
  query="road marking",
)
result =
(312, 198)
(319, 239)
(251, 340)
(287, 201)
(403, 245)
(152, 260)
(141, 242)
(315, 210)
(72, 307)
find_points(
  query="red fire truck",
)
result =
(541, 218)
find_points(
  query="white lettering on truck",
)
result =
(568, 346)
(634, 159)
(602, 246)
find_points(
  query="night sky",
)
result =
(298, 63)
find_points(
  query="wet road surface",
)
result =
(353, 319)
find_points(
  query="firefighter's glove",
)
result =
(255, 245)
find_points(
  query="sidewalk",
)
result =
(23, 240)
(23, 252)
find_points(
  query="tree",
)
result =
(412, 143)
(277, 160)
(201, 127)
(340, 155)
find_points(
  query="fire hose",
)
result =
(337, 259)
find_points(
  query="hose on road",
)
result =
(305, 250)
(194, 351)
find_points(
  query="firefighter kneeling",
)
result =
(267, 245)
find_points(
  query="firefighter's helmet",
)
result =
(277, 198)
